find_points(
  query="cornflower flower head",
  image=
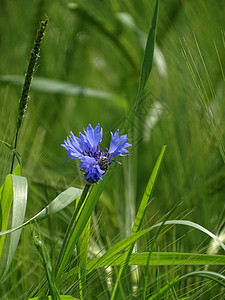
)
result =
(94, 161)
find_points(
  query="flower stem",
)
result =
(72, 224)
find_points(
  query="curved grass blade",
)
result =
(60, 202)
(19, 188)
(194, 225)
(52, 86)
(123, 244)
(206, 274)
(13, 201)
(6, 201)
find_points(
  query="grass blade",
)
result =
(156, 259)
(68, 241)
(148, 192)
(161, 259)
(194, 225)
(12, 202)
(6, 201)
(60, 202)
(146, 67)
(19, 203)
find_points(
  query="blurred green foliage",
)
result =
(99, 45)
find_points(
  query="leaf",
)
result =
(148, 192)
(149, 53)
(60, 202)
(53, 86)
(81, 222)
(19, 203)
(17, 171)
(146, 67)
(194, 225)
(156, 259)
(6, 201)
(13, 203)
(162, 259)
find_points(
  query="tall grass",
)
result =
(123, 243)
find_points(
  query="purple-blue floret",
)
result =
(95, 162)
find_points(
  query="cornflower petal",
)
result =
(92, 137)
(118, 145)
(73, 146)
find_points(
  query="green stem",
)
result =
(46, 262)
(14, 147)
(72, 224)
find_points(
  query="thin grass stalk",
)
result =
(47, 265)
(195, 74)
(218, 278)
(82, 252)
(72, 225)
(23, 102)
(146, 277)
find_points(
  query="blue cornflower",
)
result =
(95, 162)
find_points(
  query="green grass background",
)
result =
(76, 51)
